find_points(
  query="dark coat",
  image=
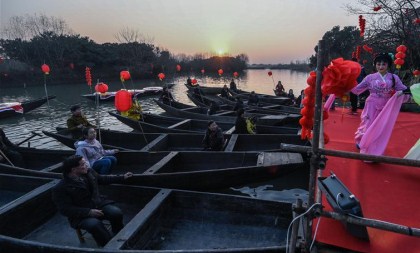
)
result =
(74, 121)
(214, 140)
(224, 93)
(74, 199)
(240, 125)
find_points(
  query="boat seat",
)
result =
(81, 232)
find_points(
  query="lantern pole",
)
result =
(46, 91)
(98, 121)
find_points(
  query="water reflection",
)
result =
(48, 117)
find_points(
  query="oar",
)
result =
(5, 157)
(30, 137)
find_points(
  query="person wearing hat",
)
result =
(382, 85)
(77, 119)
(77, 196)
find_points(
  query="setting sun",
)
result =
(220, 52)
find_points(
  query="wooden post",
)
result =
(295, 227)
(315, 141)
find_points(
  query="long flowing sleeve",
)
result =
(362, 86)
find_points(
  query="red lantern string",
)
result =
(368, 49)
(358, 51)
(362, 24)
(88, 76)
(400, 56)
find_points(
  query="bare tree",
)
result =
(131, 35)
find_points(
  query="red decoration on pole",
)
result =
(416, 21)
(220, 71)
(88, 76)
(161, 76)
(400, 56)
(270, 73)
(340, 77)
(362, 25)
(368, 49)
(101, 87)
(178, 67)
(125, 75)
(235, 74)
(194, 81)
(46, 69)
(123, 100)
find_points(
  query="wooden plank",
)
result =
(231, 144)
(52, 167)
(118, 241)
(179, 123)
(155, 142)
(152, 170)
(222, 113)
(270, 158)
(230, 131)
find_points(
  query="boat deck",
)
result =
(386, 192)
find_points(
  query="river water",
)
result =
(48, 117)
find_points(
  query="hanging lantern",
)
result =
(362, 25)
(203, 71)
(401, 48)
(178, 67)
(377, 8)
(123, 100)
(220, 71)
(416, 21)
(194, 81)
(88, 76)
(161, 76)
(101, 87)
(235, 74)
(416, 73)
(270, 73)
(125, 75)
(46, 69)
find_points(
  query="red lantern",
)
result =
(202, 71)
(125, 75)
(311, 79)
(401, 48)
(400, 55)
(88, 76)
(101, 87)
(416, 21)
(364, 62)
(123, 100)
(71, 65)
(161, 76)
(270, 73)
(377, 8)
(362, 24)
(416, 73)
(235, 74)
(178, 67)
(194, 81)
(45, 68)
(220, 71)
(399, 61)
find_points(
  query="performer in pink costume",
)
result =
(382, 85)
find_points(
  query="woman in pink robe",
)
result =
(382, 85)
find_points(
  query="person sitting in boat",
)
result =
(77, 119)
(97, 158)
(242, 124)
(166, 96)
(300, 99)
(225, 92)
(291, 96)
(214, 107)
(8, 152)
(77, 197)
(251, 125)
(232, 86)
(213, 139)
(239, 104)
(280, 91)
(253, 98)
(189, 81)
(135, 112)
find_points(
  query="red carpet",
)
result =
(386, 192)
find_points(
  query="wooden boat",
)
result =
(263, 97)
(178, 170)
(156, 220)
(205, 89)
(192, 112)
(110, 96)
(181, 142)
(206, 101)
(152, 123)
(19, 108)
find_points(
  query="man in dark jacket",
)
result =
(77, 197)
(8, 151)
(213, 139)
(77, 119)
(240, 124)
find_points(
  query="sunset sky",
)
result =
(268, 31)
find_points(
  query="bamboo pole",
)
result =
(353, 155)
(315, 141)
